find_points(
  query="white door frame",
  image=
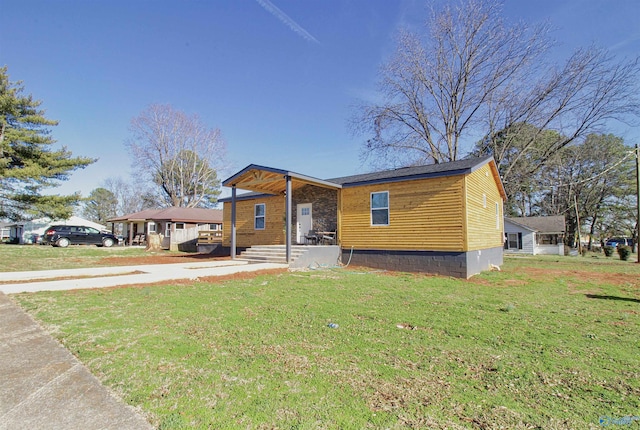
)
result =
(300, 229)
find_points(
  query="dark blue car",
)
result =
(615, 241)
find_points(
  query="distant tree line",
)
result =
(591, 180)
(176, 159)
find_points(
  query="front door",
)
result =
(305, 221)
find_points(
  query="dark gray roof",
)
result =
(541, 224)
(409, 173)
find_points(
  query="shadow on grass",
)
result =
(598, 296)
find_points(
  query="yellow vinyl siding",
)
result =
(481, 221)
(425, 214)
(246, 234)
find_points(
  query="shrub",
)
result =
(624, 252)
(608, 251)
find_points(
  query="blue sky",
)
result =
(278, 77)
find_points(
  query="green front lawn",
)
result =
(550, 343)
(18, 258)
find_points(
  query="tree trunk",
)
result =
(154, 242)
(570, 237)
(592, 231)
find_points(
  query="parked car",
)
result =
(65, 235)
(615, 241)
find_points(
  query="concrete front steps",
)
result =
(301, 255)
(271, 253)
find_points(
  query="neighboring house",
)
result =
(5, 231)
(180, 227)
(534, 235)
(443, 218)
(28, 232)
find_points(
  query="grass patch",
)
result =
(17, 258)
(520, 348)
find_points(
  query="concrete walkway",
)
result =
(100, 277)
(42, 385)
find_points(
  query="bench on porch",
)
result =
(139, 239)
(328, 237)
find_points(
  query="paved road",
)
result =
(42, 385)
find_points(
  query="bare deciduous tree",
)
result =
(472, 74)
(179, 154)
(576, 101)
(131, 197)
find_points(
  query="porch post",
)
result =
(288, 217)
(130, 224)
(233, 222)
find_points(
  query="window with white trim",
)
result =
(179, 226)
(259, 216)
(167, 230)
(380, 208)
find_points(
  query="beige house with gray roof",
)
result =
(534, 235)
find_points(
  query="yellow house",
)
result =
(443, 218)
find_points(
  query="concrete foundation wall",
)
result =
(317, 256)
(216, 249)
(212, 248)
(456, 264)
(481, 260)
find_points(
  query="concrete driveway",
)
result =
(100, 277)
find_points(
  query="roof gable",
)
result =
(271, 180)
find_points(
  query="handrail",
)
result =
(209, 236)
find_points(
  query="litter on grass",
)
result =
(406, 326)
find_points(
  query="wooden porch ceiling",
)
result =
(272, 181)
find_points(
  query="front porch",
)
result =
(284, 209)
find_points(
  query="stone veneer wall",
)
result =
(324, 211)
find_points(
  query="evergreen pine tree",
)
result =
(28, 162)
